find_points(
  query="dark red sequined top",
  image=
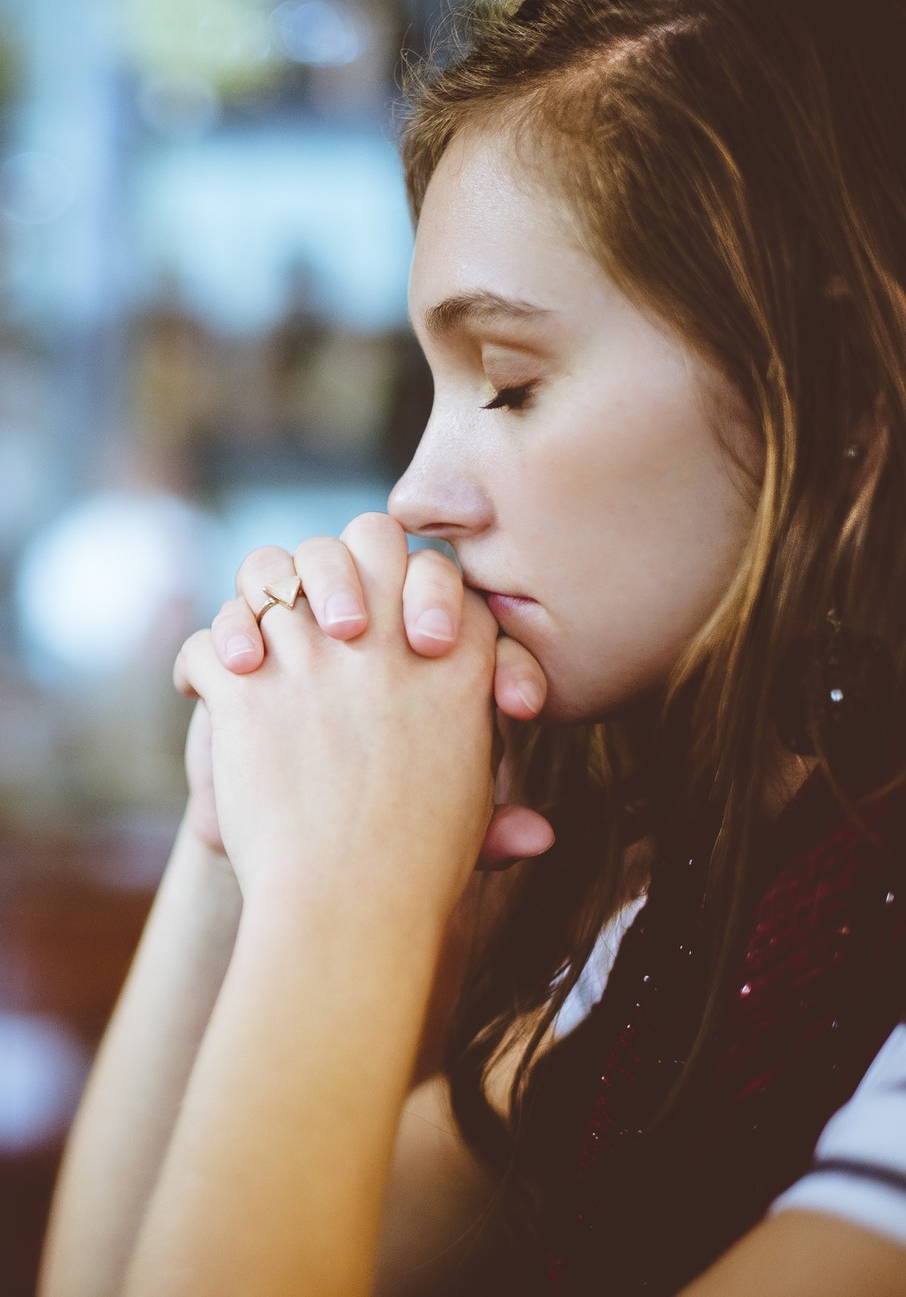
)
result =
(619, 1210)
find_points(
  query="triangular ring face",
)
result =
(285, 591)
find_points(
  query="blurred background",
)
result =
(204, 249)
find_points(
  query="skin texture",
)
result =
(608, 498)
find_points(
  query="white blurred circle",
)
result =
(324, 33)
(91, 585)
(42, 1070)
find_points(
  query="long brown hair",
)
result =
(737, 168)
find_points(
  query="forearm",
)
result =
(806, 1254)
(275, 1177)
(129, 1107)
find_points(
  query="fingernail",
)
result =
(343, 607)
(436, 624)
(239, 646)
(531, 695)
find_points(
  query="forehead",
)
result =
(485, 225)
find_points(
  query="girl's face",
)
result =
(595, 485)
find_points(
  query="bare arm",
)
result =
(128, 1111)
(130, 1104)
(275, 1176)
(806, 1254)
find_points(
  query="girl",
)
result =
(658, 276)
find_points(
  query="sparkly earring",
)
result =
(839, 683)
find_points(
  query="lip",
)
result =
(498, 594)
(502, 605)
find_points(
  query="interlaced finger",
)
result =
(266, 578)
(432, 602)
(194, 671)
(331, 583)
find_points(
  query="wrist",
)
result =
(201, 855)
(202, 819)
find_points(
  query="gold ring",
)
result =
(284, 592)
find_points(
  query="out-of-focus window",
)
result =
(204, 249)
(202, 345)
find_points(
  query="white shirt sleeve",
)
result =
(859, 1172)
(593, 978)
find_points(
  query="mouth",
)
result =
(508, 609)
(497, 594)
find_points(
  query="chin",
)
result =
(577, 697)
(564, 708)
(578, 706)
(569, 701)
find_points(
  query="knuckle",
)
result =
(198, 641)
(188, 651)
(434, 583)
(231, 610)
(375, 518)
(264, 558)
(431, 564)
(374, 523)
(433, 594)
(317, 547)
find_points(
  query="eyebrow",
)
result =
(478, 307)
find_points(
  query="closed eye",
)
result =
(512, 398)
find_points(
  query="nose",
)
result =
(436, 497)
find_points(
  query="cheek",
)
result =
(644, 527)
(633, 478)
(637, 460)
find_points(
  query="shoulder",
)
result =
(859, 1168)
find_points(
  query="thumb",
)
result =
(514, 833)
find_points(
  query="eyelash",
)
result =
(513, 398)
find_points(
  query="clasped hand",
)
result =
(328, 740)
